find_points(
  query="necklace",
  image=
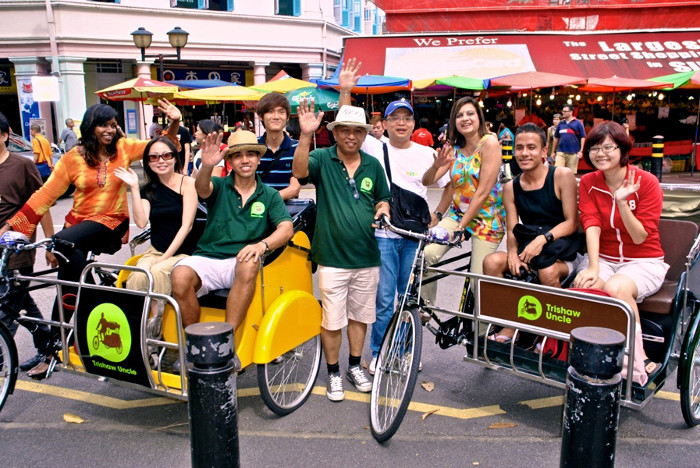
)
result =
(102, 174)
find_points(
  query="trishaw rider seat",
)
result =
(677, 237)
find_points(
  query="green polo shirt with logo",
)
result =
(232, 225)
(344, 237)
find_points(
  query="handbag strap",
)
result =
(387, 167)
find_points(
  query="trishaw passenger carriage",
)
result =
(117, 337)
(670, 321)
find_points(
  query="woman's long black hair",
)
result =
(96, 115)
(152, 180)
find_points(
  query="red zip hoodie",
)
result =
(598, 208)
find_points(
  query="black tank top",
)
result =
(539, 207)
(166, 219)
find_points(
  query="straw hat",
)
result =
(244, 140)
(352, 117)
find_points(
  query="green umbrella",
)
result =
(325, 99)
(463, 82)
(685, 79)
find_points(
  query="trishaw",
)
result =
(123, 335)
(670, 327)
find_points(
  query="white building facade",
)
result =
(87, 45)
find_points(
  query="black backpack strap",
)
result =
(387, 167)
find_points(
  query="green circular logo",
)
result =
(257, 209)
(366, 185)
(108, 333)
(529, 308)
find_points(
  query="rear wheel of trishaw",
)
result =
(8, 363)
(286, 382)
(690, 375)
(396, 373)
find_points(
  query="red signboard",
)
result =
(631, 55)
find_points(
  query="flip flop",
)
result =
(501, 338)
(650, 366)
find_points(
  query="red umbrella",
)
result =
(536, 79)
(615, 83)
(137, 89)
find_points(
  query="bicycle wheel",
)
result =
(286, 382)
(690, 377)
(396, 374)
(8, 364)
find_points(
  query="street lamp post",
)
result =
(177, 38)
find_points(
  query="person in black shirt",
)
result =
(185, 146)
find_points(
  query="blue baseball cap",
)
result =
(397, 105)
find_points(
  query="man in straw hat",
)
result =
(240, 210)
(351, 192)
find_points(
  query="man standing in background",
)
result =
(569, 138)
(68, 136)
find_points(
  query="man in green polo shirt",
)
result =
(351, 193)
(240, 213)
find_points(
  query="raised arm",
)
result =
(442, 162)
(634, 226)
(140, 209)
(173, 114)
(308, 123)
(211, 156)
(347, 80)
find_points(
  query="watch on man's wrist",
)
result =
(267, 246)
(549, 237)
(438, 215)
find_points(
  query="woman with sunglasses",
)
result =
(168, 200)
(620, 210)
(99, 218)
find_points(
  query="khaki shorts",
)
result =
(648, 275)
(213, 272)
(347, 294)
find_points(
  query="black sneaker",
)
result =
(32, 362)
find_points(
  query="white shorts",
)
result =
(213, 272)
(648, 275)
(347, 294)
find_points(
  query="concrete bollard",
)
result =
(592, 404)
(212, 402)
(657, 155)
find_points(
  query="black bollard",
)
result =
(212, 395)
(657, 156)
(592, 403)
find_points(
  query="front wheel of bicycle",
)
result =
(396, 373)
(8, 364)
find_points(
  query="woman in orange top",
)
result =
(99, 218)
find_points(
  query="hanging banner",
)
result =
(28, 107)
(630, 55)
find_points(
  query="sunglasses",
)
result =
(164, 156)
(353, 186)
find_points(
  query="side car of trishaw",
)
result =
(670, 322)
(123, 335)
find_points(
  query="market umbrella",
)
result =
(463, 82)
(200, 84)
(137, 89)
(220, 94)
(535, 80)
(616, 83)
(373, 84)
(324, 99)
(282, 85)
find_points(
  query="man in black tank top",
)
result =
(543, 197)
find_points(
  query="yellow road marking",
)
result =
(668, 395)
(539, 403)
(100, 400)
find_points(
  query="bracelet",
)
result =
(345, 94)
(267, 246)
(438, 215)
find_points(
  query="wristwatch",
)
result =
(438, 215)
(549, 237)
(267, 246)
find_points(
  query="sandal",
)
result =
(501, 337)
(650, 366)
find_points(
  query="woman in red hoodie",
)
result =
(620, 209)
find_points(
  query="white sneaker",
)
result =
(372, 366)
(334, 389)
(357, 376)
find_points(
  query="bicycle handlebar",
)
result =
(20, 242)
(428, 237)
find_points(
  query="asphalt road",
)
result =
(483, 418)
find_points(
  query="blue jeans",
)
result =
(397, 258)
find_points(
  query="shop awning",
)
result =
(640, 55)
